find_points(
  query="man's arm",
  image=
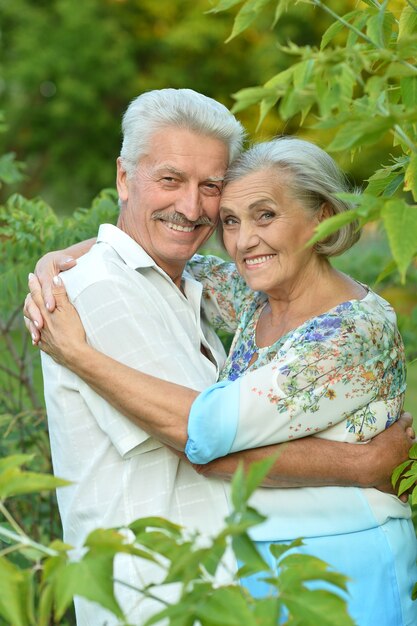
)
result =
(318, 462)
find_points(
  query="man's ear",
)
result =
(121, 181)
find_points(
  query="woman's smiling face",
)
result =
(265, 230)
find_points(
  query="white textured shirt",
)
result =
(133, 312)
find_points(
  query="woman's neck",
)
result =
(287, 309)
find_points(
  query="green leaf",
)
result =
(247, 553)
(110, 541)
(15, 482)
(313, 607)
(239, 521)
(177, 614)
(379, 26)
(238, 491)
(282, 6)
(45, 606)
(13, 597)
(300, 568)
(360, 132)
(410, 179)
(358, 22)
(223, 5)
(393, 185)
(158, 542)
(278, 549)
(10, 170)
(250, 96)
(265, 106)
(398, 472)
(243, 485)
(280, 80)
(15, 460)
(412, 453)
(246, 16)
(337, 27)
(186, 565)
(91, 578)
(266, 611)
(409, 91)
(146, 523)
(210, 559)
(257, 472)
(227, 606)
(334, 29)
(408, 23)
(303, 72)
(406, 483)
(400, 222)
(331, 225)
(346, 81)
(384, 181)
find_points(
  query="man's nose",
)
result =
(189, 203)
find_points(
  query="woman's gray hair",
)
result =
(155, 110)
(315, 179)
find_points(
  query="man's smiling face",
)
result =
(170, 205)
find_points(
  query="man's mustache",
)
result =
(178, 218)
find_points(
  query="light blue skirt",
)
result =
(381, 565)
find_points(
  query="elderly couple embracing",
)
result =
(139, 391)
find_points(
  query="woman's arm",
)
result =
(162, 409)
(48, 266)
(225, 293)
(158, 407)
(348, 381)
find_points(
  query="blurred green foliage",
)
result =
(68, 73)
(39, 589)
(66, 76)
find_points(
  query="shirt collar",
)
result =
(135, 256)
(127, 248)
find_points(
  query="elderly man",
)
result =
(140, 305)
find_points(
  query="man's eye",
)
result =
(212, 189)
(169, 179)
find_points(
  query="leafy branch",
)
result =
(192, 563)
(360, 87)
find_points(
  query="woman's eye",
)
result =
(267, 215)
(229, 221)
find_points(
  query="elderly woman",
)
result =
(315, 353)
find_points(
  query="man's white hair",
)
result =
(155, 110)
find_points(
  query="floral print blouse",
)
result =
(340, 375)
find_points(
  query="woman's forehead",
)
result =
(263, 184)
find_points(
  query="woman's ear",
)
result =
(324, 212)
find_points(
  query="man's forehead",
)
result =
(176, 145)
(177, 171)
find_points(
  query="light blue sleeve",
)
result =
(213, 422)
